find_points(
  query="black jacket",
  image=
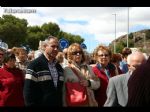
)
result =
(139, 86)
(39, 89)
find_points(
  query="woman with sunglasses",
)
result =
(103, 70)
(77, 66)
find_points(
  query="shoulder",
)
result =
(59, 67)
(94, 68)
(117, 78)
(18, 69)
(67, 69)
(40, 60)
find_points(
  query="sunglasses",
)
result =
(101, 55)
(77, 53)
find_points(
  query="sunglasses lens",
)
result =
(77, 53)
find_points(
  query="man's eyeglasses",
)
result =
(77, 53)
(101, 55)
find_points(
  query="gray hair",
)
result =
(49, 38)
(137, 53)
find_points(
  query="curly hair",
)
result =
(103, 48)
(72, 48)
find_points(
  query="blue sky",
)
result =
(95, 24)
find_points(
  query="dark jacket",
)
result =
(139, 86)
(39, 89)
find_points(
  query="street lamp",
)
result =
(144, 40)
(128, 29)
(115, 35)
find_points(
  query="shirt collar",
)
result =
(53, 62)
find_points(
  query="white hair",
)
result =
(137, 53)
(42, 45)
(37, 53)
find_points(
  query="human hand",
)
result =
(84, 83)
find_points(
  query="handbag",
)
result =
(76, 94)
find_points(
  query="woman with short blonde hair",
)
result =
(76, 66)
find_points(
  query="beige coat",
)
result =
(88, 74)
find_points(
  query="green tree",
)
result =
(35, 34)
(13, 30)
(50, 29)
(131, 43)
(119, 47)
(70, 37)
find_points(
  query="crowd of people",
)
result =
(41, 77)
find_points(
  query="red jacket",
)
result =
(11, 87)
(100, 94)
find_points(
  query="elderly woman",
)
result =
(11, 82)
(104, 70)
(76, 66)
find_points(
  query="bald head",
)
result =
(135, 59)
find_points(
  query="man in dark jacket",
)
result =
(44, 78)
(139, 86)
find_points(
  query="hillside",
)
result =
(139, 39)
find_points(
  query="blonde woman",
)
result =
(76, 58)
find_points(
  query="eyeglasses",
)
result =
(101, 55)
(77, 53)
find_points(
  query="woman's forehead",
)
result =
(75, 48)
(102, 51)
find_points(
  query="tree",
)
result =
(70, 37)
(50, 28)
(13, 30)
(35, 34)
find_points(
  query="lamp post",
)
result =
(134, 38)
(144, 40)
(128, 29)
(115, 35)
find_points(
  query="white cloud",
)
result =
(100, 21)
